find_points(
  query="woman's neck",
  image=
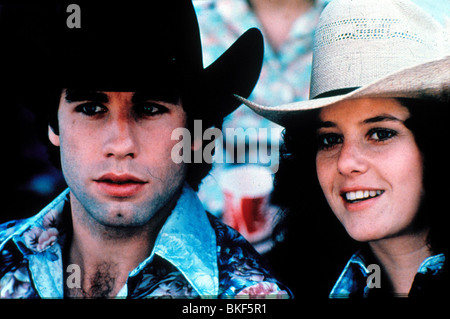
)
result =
(400, 257)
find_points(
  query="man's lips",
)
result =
(119, 178)
(120, 185)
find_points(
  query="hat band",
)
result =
(335, 92)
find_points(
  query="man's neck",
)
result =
(106, 255)
(401, 257)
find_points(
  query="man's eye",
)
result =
(91, 109)
(150, 109)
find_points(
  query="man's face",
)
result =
(116, 154)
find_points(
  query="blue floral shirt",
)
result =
(353, 280)
(194, 256)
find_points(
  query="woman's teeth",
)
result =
(361, 195)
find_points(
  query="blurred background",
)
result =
(288, 27)
(30, 181)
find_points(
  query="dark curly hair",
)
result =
(306, 223)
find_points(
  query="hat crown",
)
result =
(151, 46)
(360, 41)
(117, 46)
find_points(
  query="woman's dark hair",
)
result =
(429, 124)
(196, 171)
(305, 220)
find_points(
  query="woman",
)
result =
(368, 147)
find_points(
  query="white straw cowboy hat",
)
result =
(372, 48)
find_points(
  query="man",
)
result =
(130, 225)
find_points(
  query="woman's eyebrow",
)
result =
(382, 118)
(325, 124)
(75, 95)
(375, 119)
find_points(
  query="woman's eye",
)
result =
(381, 134)
(327, 141)
(91, 109)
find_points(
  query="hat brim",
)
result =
(429, 80)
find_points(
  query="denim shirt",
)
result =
(194, 256)
(353, 280)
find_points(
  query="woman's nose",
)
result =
(352, 159)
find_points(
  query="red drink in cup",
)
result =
(246, 189)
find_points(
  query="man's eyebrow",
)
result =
(75, 95)
(381, 118)
(143, 96)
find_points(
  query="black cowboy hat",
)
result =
(124, 46)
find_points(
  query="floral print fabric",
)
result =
(195, 256)
(353, 280)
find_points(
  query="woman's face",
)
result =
(369, 167)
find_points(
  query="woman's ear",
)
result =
(54, 139)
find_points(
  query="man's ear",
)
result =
(54, 139)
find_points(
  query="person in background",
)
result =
(288, 27)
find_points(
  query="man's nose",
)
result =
(352, 159)
(120, 141)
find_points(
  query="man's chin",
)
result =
(121, 214)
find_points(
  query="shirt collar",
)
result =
(353, 277)
(347, 282)
(432, 265)
(187, 240)
(40, 240)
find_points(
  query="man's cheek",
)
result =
(73, 161)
